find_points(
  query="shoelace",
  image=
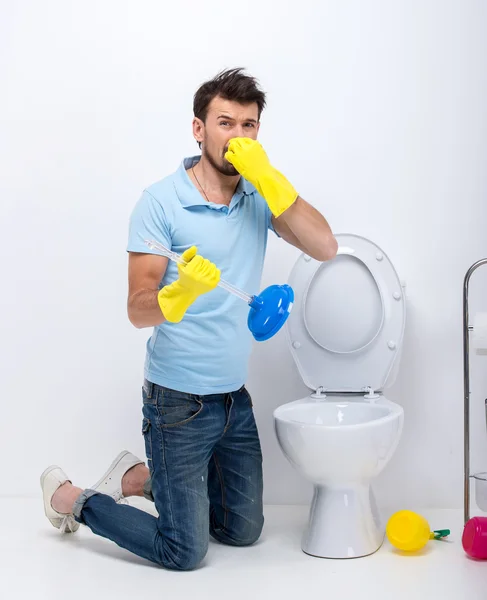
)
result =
(67, 524)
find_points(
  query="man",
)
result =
(204, 458)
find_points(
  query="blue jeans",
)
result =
(205, 464)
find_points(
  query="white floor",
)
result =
(37, 562)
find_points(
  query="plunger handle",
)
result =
(177, 258)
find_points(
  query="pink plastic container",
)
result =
(474, 539)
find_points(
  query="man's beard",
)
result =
(225, 168)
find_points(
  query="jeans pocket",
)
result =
(178, 409)
(146, 432)
(247, 396)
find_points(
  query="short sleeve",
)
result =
(148, 221)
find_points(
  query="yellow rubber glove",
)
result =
(249, 158)
(198, 276)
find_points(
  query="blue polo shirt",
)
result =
(208, 351)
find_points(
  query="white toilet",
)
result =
(345, 334)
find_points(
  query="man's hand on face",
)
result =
(250, 160)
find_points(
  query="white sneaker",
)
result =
(51, 480)
(111, 481)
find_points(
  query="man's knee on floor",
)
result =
(183, 558)
(251, 535)
(245, 534)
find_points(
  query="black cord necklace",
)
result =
(203, 189)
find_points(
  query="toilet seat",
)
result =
(347, 324)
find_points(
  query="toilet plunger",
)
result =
(269, 310)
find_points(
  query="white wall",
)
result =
(377, 115)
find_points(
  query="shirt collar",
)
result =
(188, 194)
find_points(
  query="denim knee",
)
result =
(181, 559)
(251, 535)
(242, 536)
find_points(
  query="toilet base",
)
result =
(343, 523)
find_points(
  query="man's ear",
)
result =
(198, 130)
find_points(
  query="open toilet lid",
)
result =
(347, 323)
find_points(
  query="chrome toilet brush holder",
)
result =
(479, 478)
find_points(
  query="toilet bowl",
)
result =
(345, 334)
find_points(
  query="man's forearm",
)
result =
(143, 309)
(307, 229)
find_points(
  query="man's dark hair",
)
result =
(231, 84)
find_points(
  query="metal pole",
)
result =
(466, 384)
